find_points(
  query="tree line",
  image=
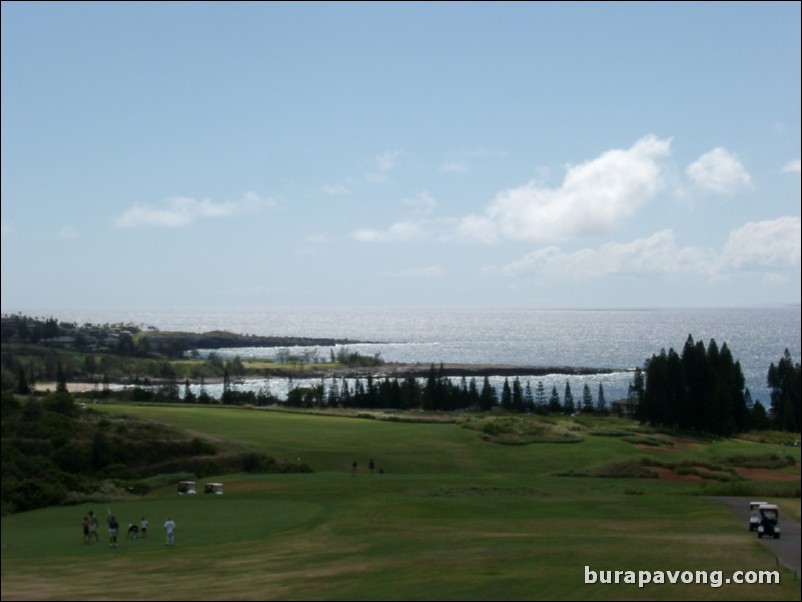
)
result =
(440, 393)
(437, 392)
(703, 389)
(36, 350)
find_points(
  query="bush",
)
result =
(750, 489)
(33, 493)
(119, 471)
(770, 461)
(162, 480)
(138, 488)
(609, 433)
(651, 441)
(776, 437)
(256, 463)
(61, 403)
(627, 469)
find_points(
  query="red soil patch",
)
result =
(683, 443)
(666, 474)
(766, 474)
(654, 448)
(678, 444)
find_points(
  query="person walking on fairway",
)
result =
(143, 528)
(169, 529)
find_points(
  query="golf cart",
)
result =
(754, 515)
(186, 488)
(216, 488)
(769, 521)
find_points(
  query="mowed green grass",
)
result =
(452, 518)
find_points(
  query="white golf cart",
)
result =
(186, 488)
(754, 515)
(216, 488)
(769, 521)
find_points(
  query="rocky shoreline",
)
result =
(222, 339)
(418, 370)
(401, 370)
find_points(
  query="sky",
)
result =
(541, 155)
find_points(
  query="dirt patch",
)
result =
(666, 474)
(685, 443)
(655, 448)
(766, 474)
(662, 442)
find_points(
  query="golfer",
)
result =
(169, 529)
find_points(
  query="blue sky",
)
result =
(492, 155)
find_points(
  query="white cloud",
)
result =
(477, 228)
(593, 197)
(178, 212)
(794, 166)
(398, 232)
(773, 244)
(383, 165)
(657, 254)
(423, 228)
(387, 160)
(423, 272)
(719, 171)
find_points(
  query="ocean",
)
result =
(618, 340)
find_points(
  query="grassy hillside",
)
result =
(453, 516)
(57, 451)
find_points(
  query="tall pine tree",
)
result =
(568, 400)
(601, 402)
(554, 400)
(784, 380)
(488, 397)
(587, 399)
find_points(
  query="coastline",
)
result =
(422, 370)
(387, 370)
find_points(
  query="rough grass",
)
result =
(647, 440)
(523, 430)
(625, 469)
